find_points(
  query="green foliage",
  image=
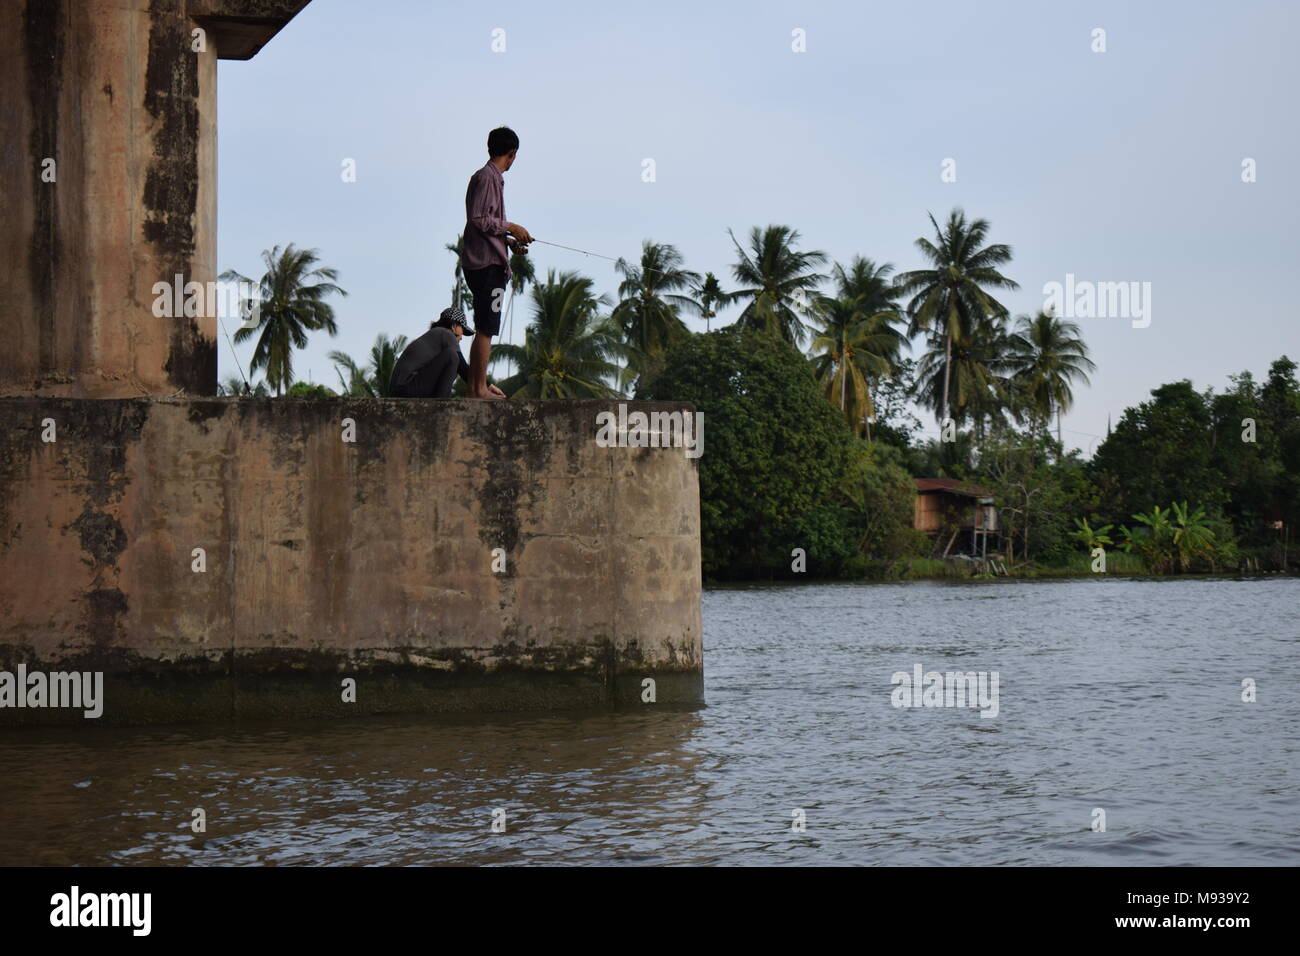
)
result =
(774, 452)
(709, 295)
(856, 344)
(568, 346)
(310, 390)
(1047, 356)
(1159, 451)
(1178, 537)
(651, 304)
(882, 500)
(236, 386)
(461, 297)
(1183, 445)
(775, 281)
(1091, 537)
(375, 380)
(895, 424)
(1031, 487)
(951, 302)
(1192, 537)
(786, 465)
(292, 294)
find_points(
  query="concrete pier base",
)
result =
(218, 558)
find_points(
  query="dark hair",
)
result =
(501, 141)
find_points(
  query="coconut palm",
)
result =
(235, 385)
(856, 343)
(461, 297)
(973, 372)
(292, 295)
(709, 295)
(776, 280)
(949, 299)
(651, 302)
(522, 272)
(1049, 356)
(373, 381)
(868, 283)
(568, 346)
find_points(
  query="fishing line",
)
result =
(598, 255)
(510, 325)
(233, 352)
(575, 249)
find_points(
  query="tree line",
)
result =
(837, 337)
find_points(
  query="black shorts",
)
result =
(489, 287)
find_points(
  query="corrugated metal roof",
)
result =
(953, 486)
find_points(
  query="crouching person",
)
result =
(428, 366)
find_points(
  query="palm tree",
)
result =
(461, 297)
(567, 347)
(973, 373)
(235, 385)
(522, 272)
(709, 295)
(775, 279)
(856, 342)
(357, 384)
(949, 299)
(291, 305)
(1048, 355)
(650, 304)
(375, 379)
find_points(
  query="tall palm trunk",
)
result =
(844, 380)
(947, 371)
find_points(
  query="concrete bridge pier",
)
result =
(215, 558)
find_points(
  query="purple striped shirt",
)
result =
(485, 221)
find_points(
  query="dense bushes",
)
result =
(1177, 484)
(781, 470)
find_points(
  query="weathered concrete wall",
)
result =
(113, 93)
(327, 559)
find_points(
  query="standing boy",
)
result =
(486, 256)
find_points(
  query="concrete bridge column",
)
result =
(108, 148)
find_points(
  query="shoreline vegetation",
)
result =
(956, 570)
(814, 449)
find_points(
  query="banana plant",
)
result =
(1192, 537)
(1152, 542)
(1091, 537)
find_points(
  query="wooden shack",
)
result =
(956, 513)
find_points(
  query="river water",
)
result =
(1116, 695)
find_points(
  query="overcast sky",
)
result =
(1123, 165)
